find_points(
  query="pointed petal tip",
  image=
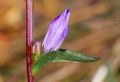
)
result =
(67, 10)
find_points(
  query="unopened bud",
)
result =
(36, 48)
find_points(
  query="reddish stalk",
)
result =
(29, 40)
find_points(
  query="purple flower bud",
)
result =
(57, 31)
(36, 48)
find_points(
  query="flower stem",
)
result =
(29, 40)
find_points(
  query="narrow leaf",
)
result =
(61, 55)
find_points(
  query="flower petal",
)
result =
(57, 31)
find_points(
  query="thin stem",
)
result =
(29, 39)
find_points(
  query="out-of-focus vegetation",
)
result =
(94, 29)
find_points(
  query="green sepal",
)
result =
(61, 55)
(36, 57)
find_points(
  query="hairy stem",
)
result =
(29, 40)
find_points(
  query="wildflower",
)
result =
(57, 31)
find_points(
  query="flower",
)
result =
(57, 31)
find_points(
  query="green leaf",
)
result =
(61, 55)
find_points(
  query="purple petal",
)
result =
(57, 31)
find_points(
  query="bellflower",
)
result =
(57, 31)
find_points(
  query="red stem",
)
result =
(29, 40)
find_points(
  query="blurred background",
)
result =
(94, 29)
